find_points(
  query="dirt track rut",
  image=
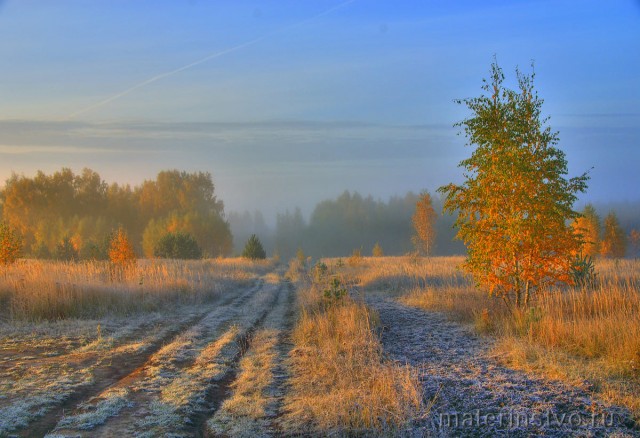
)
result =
(475, 395)
(108, 370)
(176, 387)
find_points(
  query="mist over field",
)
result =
(292, 103)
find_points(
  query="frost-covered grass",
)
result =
(250, 409)
(245, 412)
(161, 417)
(34, 391)
(110, 403)
(572, 334)
(43, 364)
(183, 390)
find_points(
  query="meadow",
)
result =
(33, 290)
(239, 348)
(585, 336)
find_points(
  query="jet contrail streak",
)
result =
(203, 60)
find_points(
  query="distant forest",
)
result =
(83, 210)
(339, 226)
(351, 222)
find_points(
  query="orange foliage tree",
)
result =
(10, 245)
(513, 208)
(614, 241)
(587, 226)
(424, 222)
(121, 251)
(634, 240)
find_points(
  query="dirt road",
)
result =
(475, 395)
(151, 380)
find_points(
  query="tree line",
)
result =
(351, 221)
(69, 216)
(74, 216)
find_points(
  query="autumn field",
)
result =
(360, 345)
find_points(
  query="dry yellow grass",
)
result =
(340, 382)
(573, 334)
(245, 412)
(394, 274)
(46, 290)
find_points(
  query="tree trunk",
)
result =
(527, 295)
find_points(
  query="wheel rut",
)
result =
(175, 390)
(108, 372)
(247, 382)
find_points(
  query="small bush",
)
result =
(320, 271)
(177, 246)
(335, 293)
(356, 257)
(302, 258)
(253, 249)
(93, 251)
(42, 252)
(377, 250)
(121, 251)
(65, 251)
(296, 271)
(583, 272)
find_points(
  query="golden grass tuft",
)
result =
(340, 381)
(256, 374)
(245, 413)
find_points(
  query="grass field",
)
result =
(46, 290)
(243, 348)
(588, 337)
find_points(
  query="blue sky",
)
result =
(307, 98)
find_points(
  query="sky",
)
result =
(290, 102)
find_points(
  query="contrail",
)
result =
(205, 59)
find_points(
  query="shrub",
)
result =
(42, 252)
(320, 271)
(302, 258)
(335, 293)
(377, 250)
(253, 249)
(356, 257)
(65, 251)
(177, 246)
(121, 251)
(583, 273)
(93, 251)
